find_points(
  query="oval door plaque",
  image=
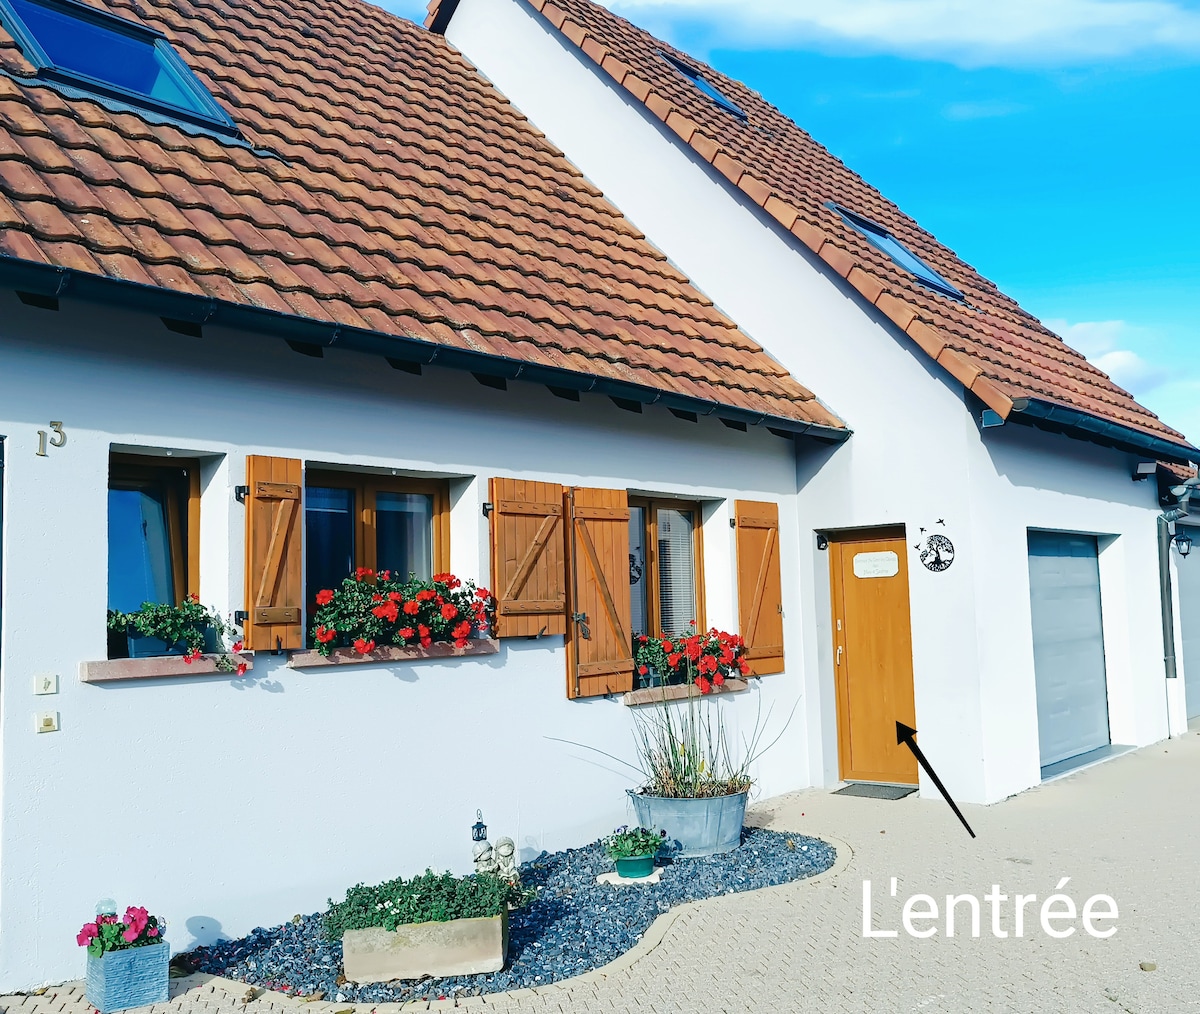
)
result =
(876, 564)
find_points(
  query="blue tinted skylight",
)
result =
(706, 86)
(898, 252)
(78, 45)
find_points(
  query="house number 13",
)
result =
(59, 438)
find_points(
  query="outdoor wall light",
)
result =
(1183, 543)
(479, 828)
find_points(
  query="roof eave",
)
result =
(53, 281)
(1073, 422)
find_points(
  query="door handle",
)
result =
(839, 655)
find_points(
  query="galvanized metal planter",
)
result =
(457, 947)
(134, 977)
(700, 827)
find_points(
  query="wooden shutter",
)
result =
(529, 576)
(274, 541)
(760, 591)
(599, 648)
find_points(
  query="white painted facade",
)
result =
(918, 455)
(223, 803)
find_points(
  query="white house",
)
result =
(1042, 646)
(294, 290)
(291, 292)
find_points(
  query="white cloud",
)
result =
(966, 32)
(1103, 343)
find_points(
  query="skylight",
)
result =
(75, 44)
(706, 86)
(897, 251)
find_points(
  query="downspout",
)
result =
(1164, 586)
(1165, 538)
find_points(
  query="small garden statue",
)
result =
(506, 860)
(484, 856)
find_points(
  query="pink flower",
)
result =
(152, 932)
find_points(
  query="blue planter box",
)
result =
(135, 645)
(135, 977)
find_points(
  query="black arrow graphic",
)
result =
(905, 735)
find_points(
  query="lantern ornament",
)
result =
(479, 828)
(1183, 543)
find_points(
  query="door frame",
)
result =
(837, 539)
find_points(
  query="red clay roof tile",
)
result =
(987, 341)
(410, 199)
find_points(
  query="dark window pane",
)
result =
(676, 570)
(139, 549)
(84, 47)
(637, 569)
(404, 534)
(328, 538)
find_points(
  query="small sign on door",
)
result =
(876, 564)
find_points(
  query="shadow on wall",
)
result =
(1034, 459)
(204, 929)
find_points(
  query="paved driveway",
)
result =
(1129, 828)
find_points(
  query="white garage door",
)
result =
(1068, 645)
(1189, 617)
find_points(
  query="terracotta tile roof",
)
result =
(986, 341)
(405, 197)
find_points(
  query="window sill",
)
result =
(348, 656)
(659, 695)
(160, 667)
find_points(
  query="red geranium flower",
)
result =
(407, 633)
(241, 668)
(388, 611)
(719, 680)
(377, 597)
(237, 646)
(362, 573)
(674, 660)
(704, 685)
(441, 578)
(412, 607)
(449, 611)
(426, 642)
(642, 670)
(461, 630)
(744, 667)
(364, 647)
(395, 596)
(324, 596)
(325, 634)
(425, 594)
(667, 645)
(422, 630)
(482, 593)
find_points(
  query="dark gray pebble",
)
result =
(573, 925)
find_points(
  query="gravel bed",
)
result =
(573, 925)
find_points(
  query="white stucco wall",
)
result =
(917, 456)
(225, 803)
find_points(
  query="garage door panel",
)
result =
(1068, 645)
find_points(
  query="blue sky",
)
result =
(1053, 144)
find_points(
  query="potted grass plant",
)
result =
(633, 850)
(696, 778)
(128, 959)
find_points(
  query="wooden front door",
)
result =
(872, 644)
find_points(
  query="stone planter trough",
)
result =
(700, 827)
(457, 947)
(134, 977)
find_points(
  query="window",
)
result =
(78, 45)
(153, 531)
(353, 520)
(664, 566)
(706, 86)
(898, 252)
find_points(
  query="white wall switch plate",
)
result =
(45, 683)
(46, 721)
